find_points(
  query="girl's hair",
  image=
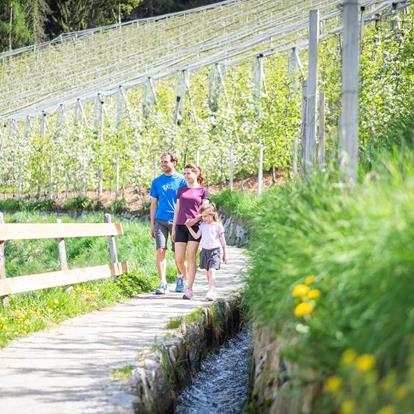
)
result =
(196, 169)
(212, 211)
(210, 207)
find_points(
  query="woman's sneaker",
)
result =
(180, 284)
(188, 293)
(162, 289)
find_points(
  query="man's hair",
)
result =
(173, 157)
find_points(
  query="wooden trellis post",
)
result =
(348, 131)
(231, 167)
(310, 142)
(5, 299)
(321, 130)
(304, 123)
(260, 170)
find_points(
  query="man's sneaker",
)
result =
(180, 284)
(162, 289)
(188, 294)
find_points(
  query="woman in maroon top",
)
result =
(189, 200)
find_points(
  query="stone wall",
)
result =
(271, 378)
(162, 373)
(236, 233)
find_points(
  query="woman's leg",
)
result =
(180, 258)
(191, 262)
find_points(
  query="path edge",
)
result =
(165, 370)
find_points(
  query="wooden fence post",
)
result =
(5, 299)
(303, 126)
(111, 241)
(63, 259)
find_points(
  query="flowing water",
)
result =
(222, 384)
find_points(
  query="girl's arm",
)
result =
(224, 247)
(177, 208)
(192, 232)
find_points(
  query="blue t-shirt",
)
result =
(164, 189)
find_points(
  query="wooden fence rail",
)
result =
(65, 276)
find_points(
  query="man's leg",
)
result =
(161, 234)
(162, 265)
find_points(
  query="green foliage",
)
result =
(80, 203)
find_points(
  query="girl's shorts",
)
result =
(210, 259)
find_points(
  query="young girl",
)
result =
(212, 237)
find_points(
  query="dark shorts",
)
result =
(162, 228)
(210, 259)
(183, 235)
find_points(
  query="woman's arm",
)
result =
(191, 222)
(192, 232)
(177, 208)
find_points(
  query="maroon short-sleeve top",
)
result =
(190, 202)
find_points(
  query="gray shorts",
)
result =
(210, 259)
(162, 228)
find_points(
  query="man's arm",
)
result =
(153, 209)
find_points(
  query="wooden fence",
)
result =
(65, 276)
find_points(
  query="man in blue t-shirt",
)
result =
(163, 200)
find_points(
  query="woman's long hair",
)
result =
(197, 170)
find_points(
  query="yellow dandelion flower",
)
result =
(333, 384)
(303, 309)
(56, 301)
(300, 290)
(388, 409)
(401, 392)
(365, 362)
(348, 357)
(314, 294)
(348, 407)
(310, 279)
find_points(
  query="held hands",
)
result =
(187, 223)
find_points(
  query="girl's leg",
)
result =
(211, 277)
(180, 258)
(191, 262)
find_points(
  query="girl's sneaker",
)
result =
(188, 293)
(211, 295)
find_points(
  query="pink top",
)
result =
(190, 202)
(210, 235)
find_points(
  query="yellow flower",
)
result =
(365, 362)
(347, 407)
(333, 384)
(401, 392)
(310, 279)
(303, 309)
(388, 409)
(348, 357)
(300, 290)
(314, 294)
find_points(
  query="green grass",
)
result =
(358, 243)
(32, 311)
(122, 373)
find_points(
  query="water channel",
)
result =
(222, 384)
